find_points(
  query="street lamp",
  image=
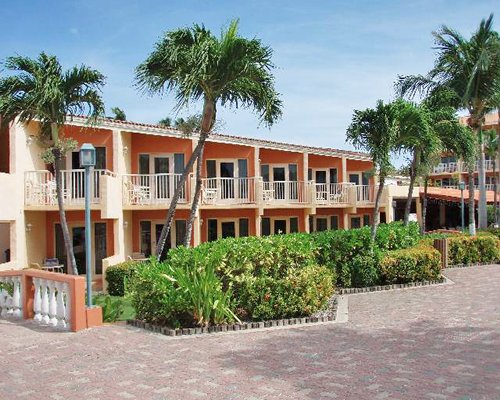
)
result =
(461, 186)
(87, 161)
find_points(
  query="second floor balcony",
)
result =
(40, 187)
(444, 168)
(152, 189)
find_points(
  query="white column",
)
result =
(345, 178)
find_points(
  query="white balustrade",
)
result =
(143, 189)
(285, 192)
(446, 168)
(365, 193)
(332, 193)
(51, 303)
(40, 187)
(11, 302)
(228, 190)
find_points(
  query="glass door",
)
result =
(279, 226)
(168, 242)
(162, 179)
(226, 170)
(228, 229)
(279, 178)
(100, 247)
(321, 189)
(78, 233)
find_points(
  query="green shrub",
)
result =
(411, 265)
(494, 232)
(118, 275)
(473, 249)
(347, 251)
(112, 307)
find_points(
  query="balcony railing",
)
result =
(332, 193)
(283, 192)
(365, 193)
(145, 189)
(228, 191)
(446, 168)
(40, 187)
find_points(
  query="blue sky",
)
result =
(332, 56)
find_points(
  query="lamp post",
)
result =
(87, 161)
(461, 186)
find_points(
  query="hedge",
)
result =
(117, 277)
(420, 263)
(464, 249)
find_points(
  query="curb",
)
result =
(243, 327)
(382, 288)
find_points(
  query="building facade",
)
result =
(250, 187)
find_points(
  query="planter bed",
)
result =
(328, 315)
(471, 265)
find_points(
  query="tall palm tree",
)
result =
(471, 68)
(376, 131)
(195, 65)
(119, 114)
(39, 90)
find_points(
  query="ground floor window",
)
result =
(318, 223)
(358, 221)
(149, 241)
(224, 228)
(279, 225)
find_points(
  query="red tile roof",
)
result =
(454, 195)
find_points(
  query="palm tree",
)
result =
(119, 114)
(418, 138)
(470, 68)
(165, 122)
(196, 65)
(376, 131)
(39, 90)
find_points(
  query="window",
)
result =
(146, 238)
(355, 222)
(279, 226)
(294, 225)
(212, 230)
(228, 229)
(321, 224)
(180, 231)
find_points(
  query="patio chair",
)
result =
(210, 195)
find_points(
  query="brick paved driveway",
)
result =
(425, 343)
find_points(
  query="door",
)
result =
(226, 173)
(321, 187)
(77, 177)
(78, 233)
(279, 226)
(168, 242)
(279, 178)
(354, 178)
(100, 246)
(163, 187)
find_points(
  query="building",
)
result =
(250, 187)
(444, 195)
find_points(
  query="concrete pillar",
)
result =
(306, 221)
(346, 220)
(258, 221)
(305, 158)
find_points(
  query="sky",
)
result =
(331, 57)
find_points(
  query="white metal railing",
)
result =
(143, 189)
(51, 303)
(40, 187)
(332, 193)
(365, 193)
(446, 167)
(285, 192)
(488, 165)
(228, 190)
(11, 304)
(488, 186)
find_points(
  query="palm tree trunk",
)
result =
(413, 176)
(197, 191)
(376, 209)
(424, 205)
(173, 205)
(207, 123)
(472, 204)
(68, 244)
(495, 187)
(482, 210)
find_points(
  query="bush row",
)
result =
(464, 249)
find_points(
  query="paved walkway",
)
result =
(438, 342)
